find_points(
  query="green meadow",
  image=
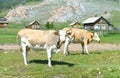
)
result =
(99, 64)
(8, 35)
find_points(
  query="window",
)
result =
(5, 25)
(97, 27)
(85, 27)
(110, 27)
(103, 26)
(101, 20)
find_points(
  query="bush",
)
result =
(33, 0)
(49, 25)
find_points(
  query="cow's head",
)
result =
(62, 37)
(96, 37)
(69, 32)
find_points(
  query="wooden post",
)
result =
(5, 25)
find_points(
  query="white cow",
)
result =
(50, 40)
(79, 36)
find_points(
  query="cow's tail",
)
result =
(19, 42)
(18, 39)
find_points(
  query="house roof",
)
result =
(31, 23)
(73, 23)
(91, 20)
(94, 19)
(3, 20)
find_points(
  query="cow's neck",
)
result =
(58, 45)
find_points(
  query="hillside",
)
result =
(62, 10)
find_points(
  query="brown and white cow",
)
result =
(79, 36)
(50, 40)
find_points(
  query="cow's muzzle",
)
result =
(63, 41)
(98, 41)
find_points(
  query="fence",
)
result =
(115, 30)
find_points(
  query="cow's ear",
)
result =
(92, 36)
(69, 33)
(56, 32)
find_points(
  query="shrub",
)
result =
(49, 25)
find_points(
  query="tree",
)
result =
(49, 25)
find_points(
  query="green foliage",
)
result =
(115, 20)
(49, 25)
(33, 0)
(8, 36)
(3, 13)
(99, 64)
(13, 3)
(61, 25)
(111, 38)
(8, 4)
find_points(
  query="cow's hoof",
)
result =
(49, 65)
(87, 53)
(82, 53)
(26, 64)
(67, 54)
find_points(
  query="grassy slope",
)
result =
(4, 7)
(103, 64)
(116, 18)
(111, 38)
(8, 36)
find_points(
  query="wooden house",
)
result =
(34, 25)
(3, 23)
(75, 25)
(97, 23)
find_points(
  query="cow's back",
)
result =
(39, 36)
(80, 34)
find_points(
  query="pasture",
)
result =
(99, 64)
(8, 36)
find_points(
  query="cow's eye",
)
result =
(95, 36)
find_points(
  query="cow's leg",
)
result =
(85, 46)
(49, 54)
(25, 54)
(82, 48)
(66, 47)
(86, 49)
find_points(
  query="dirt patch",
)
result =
(9, 47)
(96, 46)
(73, 47)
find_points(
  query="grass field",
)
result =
(8, 36)
(111, 38)
(99, 64)
(115, 20)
